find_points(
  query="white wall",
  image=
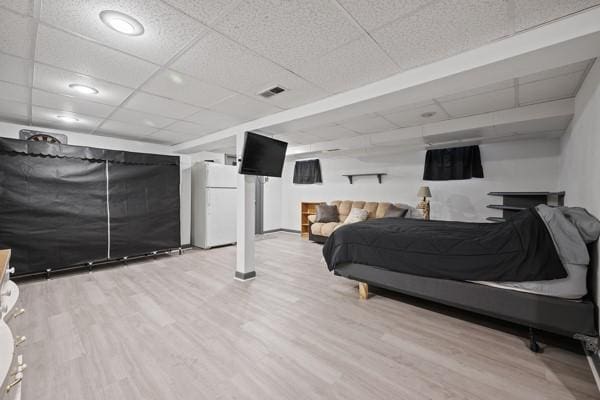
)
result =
(580, 154)
(9, 130)
(510, 166)
(272, 204)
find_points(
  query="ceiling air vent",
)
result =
(271, 92)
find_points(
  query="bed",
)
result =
(531, 270)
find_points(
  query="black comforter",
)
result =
(520, 249)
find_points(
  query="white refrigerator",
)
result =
(213, 204)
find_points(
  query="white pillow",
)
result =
(356, 215)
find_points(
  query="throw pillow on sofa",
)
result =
(356, 215)
(395, 212)
(327, 213)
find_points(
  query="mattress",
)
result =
(574, 286)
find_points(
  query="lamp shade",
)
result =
(424, 192)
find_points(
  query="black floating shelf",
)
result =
(503, 207)
(495, 219)
(377, 174)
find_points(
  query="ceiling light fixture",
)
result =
(428, 114)
(121, 23)
(83, 89)
(66, 118)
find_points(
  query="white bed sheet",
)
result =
(572, 287)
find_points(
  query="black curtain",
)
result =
(307, 172)
(63, 206)
(452, 164)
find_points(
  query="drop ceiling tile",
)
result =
(70, 103)
(551, 73)
(190, 128)
(48, 117)
(11, 92)
(14, 69)
(166, 30)
(373, 14)
(121, 129)
(298, 91)
(159, 105)
(140, 118)
(205, 11)
(534, 12)
(169, 137)
(351, 65)
(20, 6)
(289, 32)
(369, 123)
(75, 54)
(550, 89)
(223, 62)
(480, 90)
(16, 33)
(446, 28)
(58, 80)
(12, 110)
(212, 120)
(244, 107)
(301, 138)
(481, 103)
(184, 88)
(331, 132)
(413, 116)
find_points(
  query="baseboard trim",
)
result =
(282, 230)
(245, 276)
(594, 361)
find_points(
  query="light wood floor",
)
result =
(180, 327)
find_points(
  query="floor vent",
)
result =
(272, 92)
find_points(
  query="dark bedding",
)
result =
(520, 249)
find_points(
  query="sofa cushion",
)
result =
(327, 213)
(329, 227)
(316, 228)
(312, 218)
(381, 209)
(344, 208)
(371, 208)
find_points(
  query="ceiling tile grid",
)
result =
(16, 33)
(134, 117)
(289, 32)
(15, 70)
(68, 103)
(20, 6)
(351, 65)
(43, 116)
(205, 11)
(181, 87)
(166, 30)
(444, 29)
(66, 51)
(162, 106)
(11, 92)
(58, 80)
(372, 14)
(13, 111)
(534, 12)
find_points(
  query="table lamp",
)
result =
(424, 193)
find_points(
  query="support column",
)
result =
(246, 196)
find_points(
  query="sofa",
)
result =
(319, 231)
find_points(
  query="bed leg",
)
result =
(533, 344)
(363, 291)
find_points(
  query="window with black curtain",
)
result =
(452, 164)
(307, 172)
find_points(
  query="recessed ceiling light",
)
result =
(83, 89)
(121, 23)
(428, 114)
(67, 118)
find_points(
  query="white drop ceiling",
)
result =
(555, 84)
(199, 65)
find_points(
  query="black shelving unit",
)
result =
(513, 202)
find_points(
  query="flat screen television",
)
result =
(262, 156)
